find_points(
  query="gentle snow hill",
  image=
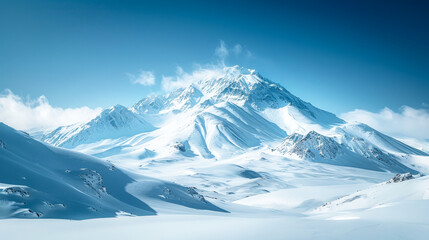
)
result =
(402, 189)
(114, 122)
(38, 180)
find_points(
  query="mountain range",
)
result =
(229, 113)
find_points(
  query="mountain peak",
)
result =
(118, 107)
(234, 84)
(238, 70)
(227, 75)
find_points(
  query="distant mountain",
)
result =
(113, 122)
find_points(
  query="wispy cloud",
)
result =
(145, 78)
(407, 123)
(205, 72)
(39, 114)
(222, 51)
(237, 49)
(184, 79)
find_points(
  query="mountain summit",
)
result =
(235, 85)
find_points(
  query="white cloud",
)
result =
(184, 79)
(145, 78)
(39, 114)
(408, 122)
(222, 51)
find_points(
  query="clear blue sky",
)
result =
(338, 55)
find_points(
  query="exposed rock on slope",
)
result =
(310, 146)
(354, 152)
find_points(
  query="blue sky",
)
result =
(338, 55)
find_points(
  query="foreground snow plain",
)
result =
(376, 224)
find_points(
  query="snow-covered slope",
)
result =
(382, 141)
(114, 122)
(403, 188)
(38, 180)
(216, 131)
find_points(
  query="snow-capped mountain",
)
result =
(114, 122)
(227, 112)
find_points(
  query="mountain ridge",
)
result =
(229, 111)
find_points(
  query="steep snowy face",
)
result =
(118, 117)
(114, 122)
(363, 132)
(183, 99)
(227, 129)
(149, 105)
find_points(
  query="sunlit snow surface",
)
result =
(232, 156)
